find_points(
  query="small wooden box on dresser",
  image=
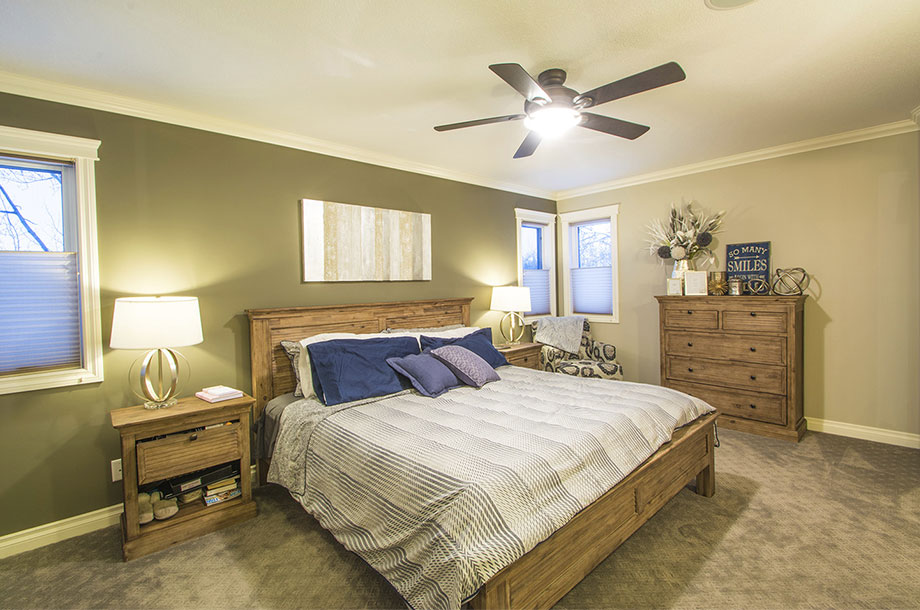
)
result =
(741, 354)
(158, 444)
(526, 355)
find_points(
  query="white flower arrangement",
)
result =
(686, 234)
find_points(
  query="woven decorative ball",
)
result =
(790, 282)
(758, 286)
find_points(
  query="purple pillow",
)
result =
(428, 375)
(467, 366)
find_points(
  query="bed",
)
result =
(541, 575)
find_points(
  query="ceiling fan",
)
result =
(551, 109)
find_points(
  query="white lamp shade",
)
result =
(511, 298)
(154, 322)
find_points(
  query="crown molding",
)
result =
(848, 137)
(28, 86)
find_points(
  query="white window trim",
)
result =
(83, 153)
(522, 215)
(566, 219)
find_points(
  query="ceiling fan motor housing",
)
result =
(560, 97)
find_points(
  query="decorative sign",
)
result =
(748, 262)
(355, 243)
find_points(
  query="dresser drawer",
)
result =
(188, 451)
(737, 403)
(689, 318)
(752, 320)
(757, 377)
(747, 348)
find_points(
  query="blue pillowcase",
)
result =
(352, 369)
(426, 373)
(478, 342)
(467, 366)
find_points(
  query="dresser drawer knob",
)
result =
(753, 313)
(753, 349)
(193, 437)
(690, 368)
(689, 343)
(753, 377)
(689, 312)
(753, 406)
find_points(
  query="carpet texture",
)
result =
(829, 522)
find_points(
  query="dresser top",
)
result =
(747, 300)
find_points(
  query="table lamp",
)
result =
(157, 324)
(514, 300)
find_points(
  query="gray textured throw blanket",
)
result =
(564, 332)
(439, 494)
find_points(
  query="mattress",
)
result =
(439, 494)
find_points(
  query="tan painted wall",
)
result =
(849, 215)
(182, 211)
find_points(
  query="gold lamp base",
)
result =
(158, 373)
(515, 331)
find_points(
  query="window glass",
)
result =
(593, 244)
(531, 246)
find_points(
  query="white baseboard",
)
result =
(49, 533)
(868, 433)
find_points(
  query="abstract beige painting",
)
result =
(356, 243)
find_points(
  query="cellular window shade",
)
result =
(39, 312)
(592, 290)
(538, 282)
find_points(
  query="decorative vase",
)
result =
(682, 266)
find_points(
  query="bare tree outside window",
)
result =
(31, 210)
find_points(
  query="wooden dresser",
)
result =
(742, 355)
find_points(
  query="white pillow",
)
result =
(444, 334)
(306, 375)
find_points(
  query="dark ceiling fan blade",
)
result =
(495, 119)
(529, 145)
(653, 78)
(523, 83)
(614, 127)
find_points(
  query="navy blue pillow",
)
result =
(351, 369)
(479, 342)
(429, 375)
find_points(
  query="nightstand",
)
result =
(158, 444)
(522, 354)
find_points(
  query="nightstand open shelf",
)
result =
(164, 443)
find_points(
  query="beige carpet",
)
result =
(828, 523)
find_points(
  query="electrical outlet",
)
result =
(116, 470)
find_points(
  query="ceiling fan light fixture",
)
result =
(552, 122)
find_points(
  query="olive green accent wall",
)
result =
(182, 211)
(850, 215)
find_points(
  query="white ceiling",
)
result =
(370, 78)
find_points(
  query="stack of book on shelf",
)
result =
(218, 393)
(221, 491)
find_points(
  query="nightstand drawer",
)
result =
(188, 451)
(760, 378)
(529, 360)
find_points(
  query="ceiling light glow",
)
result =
(552, 122)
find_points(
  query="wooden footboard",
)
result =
(551, 569)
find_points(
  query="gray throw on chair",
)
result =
(594, 358)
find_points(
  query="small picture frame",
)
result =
(695, 283)
(675, 286)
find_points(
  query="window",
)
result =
(536, 233)
(49, 292)
(590, 263)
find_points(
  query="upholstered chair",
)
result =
(594, 358)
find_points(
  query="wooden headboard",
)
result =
(271, 368)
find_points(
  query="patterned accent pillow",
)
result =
(292, 349)
(467, 366)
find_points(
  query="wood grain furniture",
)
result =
(545, 574)
(160, 444)
(522, 354)
(742, 354)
